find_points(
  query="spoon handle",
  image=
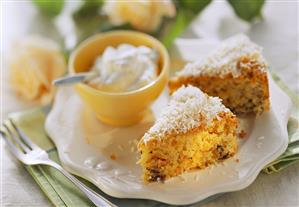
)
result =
(68, 80)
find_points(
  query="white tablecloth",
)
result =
(278, 34)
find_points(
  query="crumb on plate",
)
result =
(242, 134)
(113, 157)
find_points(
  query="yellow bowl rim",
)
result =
(164, 69)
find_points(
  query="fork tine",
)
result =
(23, 147)
(14, 150)
(23, 136)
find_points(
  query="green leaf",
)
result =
(86, 27)
(88, 19)
(193, 5)
(247, 9)
(182, 20)
(187, 10)
(48, 7)
(89, 8)
(106, 26)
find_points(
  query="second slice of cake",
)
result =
(193, 132)
(236, 71)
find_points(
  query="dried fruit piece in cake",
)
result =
(193, 131)
(236, 72)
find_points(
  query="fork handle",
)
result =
(97, 199)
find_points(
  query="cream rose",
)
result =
(34, 63)
(144, 15)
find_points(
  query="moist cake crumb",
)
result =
(113, 157)
(236, 72)
(188, 109)
(193, 132)
(120, 147)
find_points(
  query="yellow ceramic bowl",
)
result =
(124, 108)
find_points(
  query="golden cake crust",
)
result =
(245, 94)
(210, 144)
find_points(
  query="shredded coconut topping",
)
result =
(224, 59)
(188, 108)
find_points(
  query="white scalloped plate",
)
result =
(85, 146)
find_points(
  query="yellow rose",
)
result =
(34, 63)
(144, 15)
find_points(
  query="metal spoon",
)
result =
(77, 78)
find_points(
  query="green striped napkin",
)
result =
(291, 155)
(63, 193)
(57, 187)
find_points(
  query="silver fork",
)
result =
(31, 154)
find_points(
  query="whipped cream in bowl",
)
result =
(131, 71)
(124, 68)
